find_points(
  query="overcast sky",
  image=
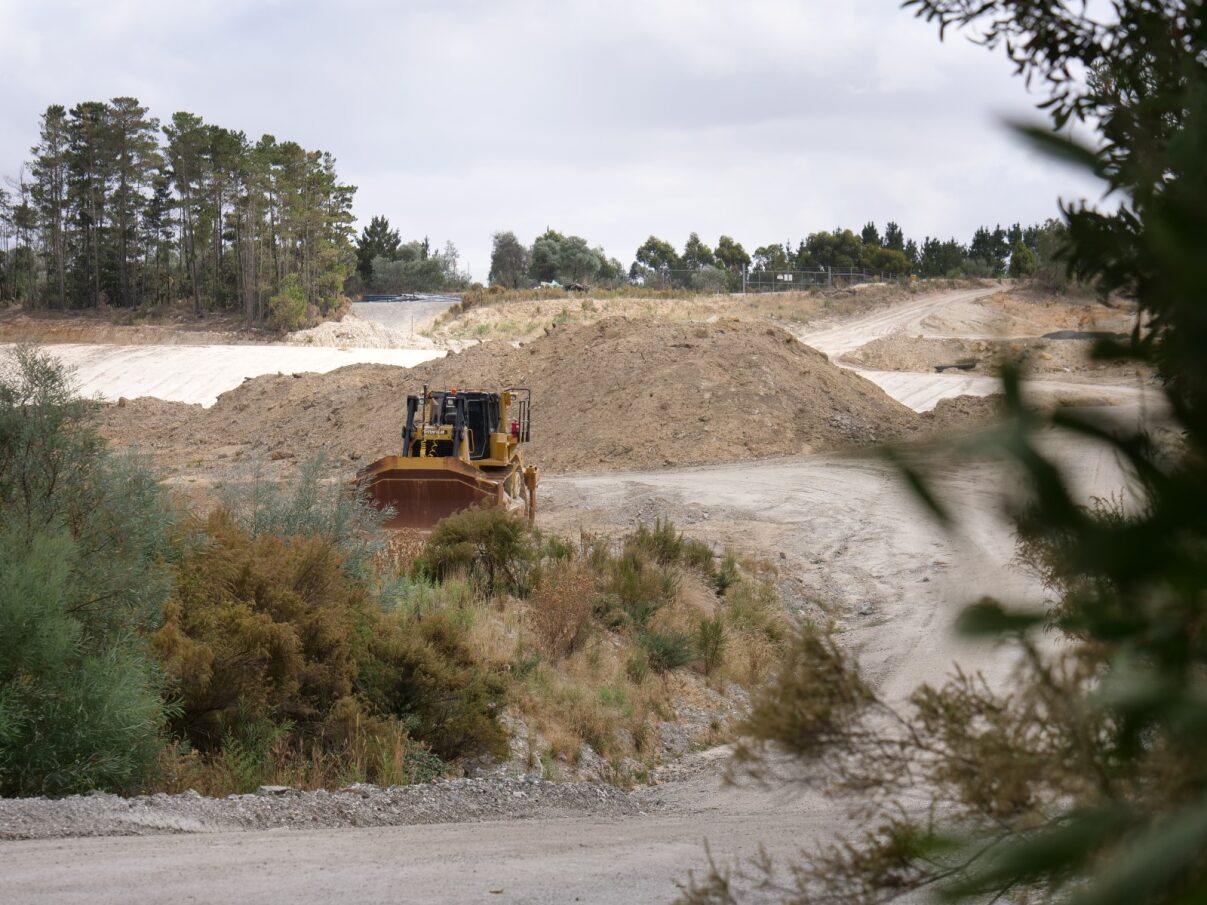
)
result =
(763, 119)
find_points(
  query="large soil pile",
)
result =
(610, 395)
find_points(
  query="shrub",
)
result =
(698, 555)
(413, 598)
(494, 547)
(424, 673)
(57, 475)
(662, 542)
(274, 631)
(753, 606)
(561, 607)
(666, 650)
(83, 538)
(373, 751)
(638, 588)
(305, 505)
(556, 549)
(727, 576)
(710, 643)
(710, 279)
(667, 547)
(288, 309)
(259, 628)
(77, 711)
(637, 667)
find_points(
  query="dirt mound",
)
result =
(357, 332)
(958, 414)
(126, 421)
(612, 395)
(961, 414)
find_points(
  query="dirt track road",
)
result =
(532, 862)
(843, 526)
(923, 391)
(906, 317)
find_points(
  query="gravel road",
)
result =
(453, 801)
(906, 317)
(635, 851)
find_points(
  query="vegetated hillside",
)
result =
(610, 395)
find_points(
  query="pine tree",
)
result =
(377, 240)
(136, 158)
(90, 177)
(50, 173)
(894, 239)
(186, 141)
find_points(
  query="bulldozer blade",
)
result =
(421, 492)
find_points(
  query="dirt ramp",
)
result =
(611, 395)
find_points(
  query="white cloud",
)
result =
(766, 120)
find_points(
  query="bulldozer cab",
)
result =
(472, 415)
(473, 426)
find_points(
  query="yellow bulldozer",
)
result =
(459, 449)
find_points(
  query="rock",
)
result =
(675, 738)
(591, 766)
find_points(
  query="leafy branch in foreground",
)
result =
(1085, 782)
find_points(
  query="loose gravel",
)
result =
(452, 801)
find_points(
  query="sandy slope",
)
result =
(199, 374)
(938, 313)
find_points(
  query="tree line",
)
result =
(115, 208)
(552, 258)
(1015, 251)
(384, 263)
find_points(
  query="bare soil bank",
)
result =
(174, 326)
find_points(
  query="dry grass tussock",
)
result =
(291, 667)
(610, 637)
